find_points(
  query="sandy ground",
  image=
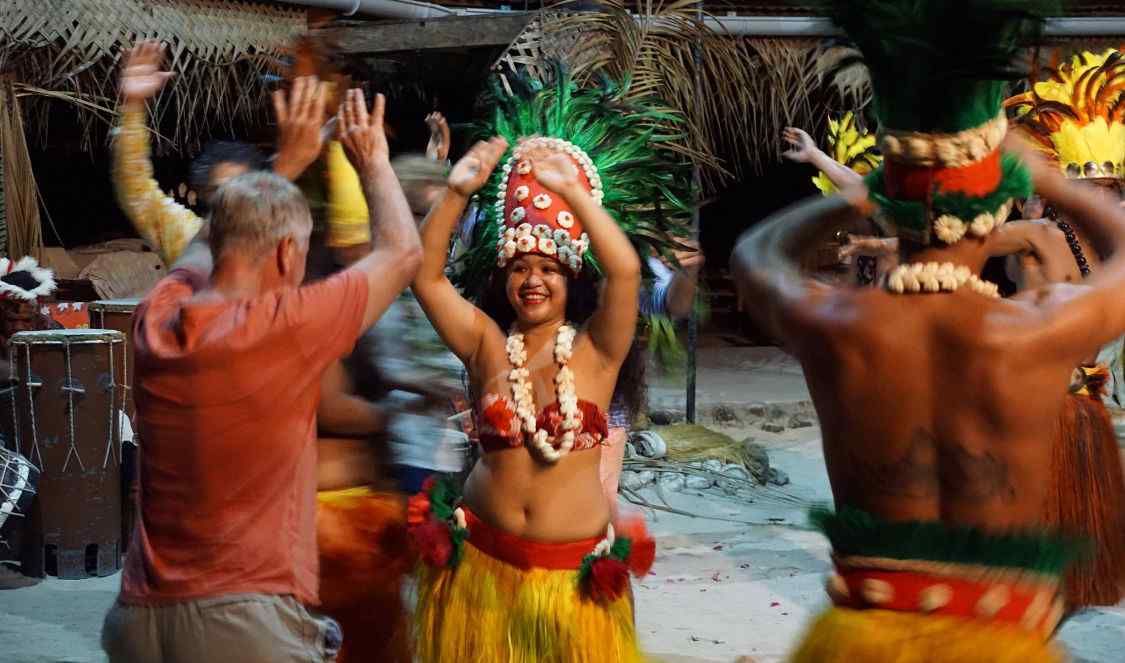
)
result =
(740, 583)
(722, 590)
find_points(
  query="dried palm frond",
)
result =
(220, 51)
(666, 51)
(787, 85)
(25, 237)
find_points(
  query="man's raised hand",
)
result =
(362, 133)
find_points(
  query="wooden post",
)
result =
(693, 318)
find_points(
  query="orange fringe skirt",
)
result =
(365, 553)
(1088, 499)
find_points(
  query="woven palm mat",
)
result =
(220, 51)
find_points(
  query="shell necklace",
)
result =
(932, 277)
(564, 390)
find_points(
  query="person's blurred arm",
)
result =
(804, 150)
(158, 219)
(340, 412)
(397, 253)
(679, 299)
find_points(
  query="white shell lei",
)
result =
(932, 277)
(564, 390)
(950, 229)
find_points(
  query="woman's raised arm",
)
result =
(460, 324)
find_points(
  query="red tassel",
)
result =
(642, 552)
(608, 579)
(641, 557)
(434, 545)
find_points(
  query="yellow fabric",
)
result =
(487, 611)
(880, 636)
(348, 221)
(161, 221)
(345, 494)
(850, 146)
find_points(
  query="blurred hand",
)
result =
(438, 148)
(474, 169)
(141, 73)
(556, 171)
(690, 260)
(801, 145)
(361, 133)
(300, 116)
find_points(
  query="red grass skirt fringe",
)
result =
(1088, 500)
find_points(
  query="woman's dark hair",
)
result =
(582, 293)
(223, 151)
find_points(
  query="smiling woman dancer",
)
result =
(542, 575)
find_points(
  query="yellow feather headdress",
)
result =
(1077, 115)
(851, 146)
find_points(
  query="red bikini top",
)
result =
(500, 427)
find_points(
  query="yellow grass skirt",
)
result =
(487, 611)
(881, 636)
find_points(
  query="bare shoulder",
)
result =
(833, 311)
(1025, 317)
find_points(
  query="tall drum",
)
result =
(118, 314)
(65, 421)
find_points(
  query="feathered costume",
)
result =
(852, 146)
(849, 145)
(1076, 116)
(484, 594)
(928, 590)
(646, 189)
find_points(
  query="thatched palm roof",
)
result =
(69, 50)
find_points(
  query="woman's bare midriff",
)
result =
(555, 503)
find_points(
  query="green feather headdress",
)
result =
(646, 188)
(939, 70)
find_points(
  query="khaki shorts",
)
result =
(247, 628)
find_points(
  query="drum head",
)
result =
(66, 336)
(114, 305)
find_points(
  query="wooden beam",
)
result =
(362, 37)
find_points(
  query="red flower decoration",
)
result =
(498, 416)
(418, 508)
(642, 552)
(429, 483)
(608, 579)
(433, 542)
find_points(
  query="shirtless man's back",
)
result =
(928, 417)
(937, 399)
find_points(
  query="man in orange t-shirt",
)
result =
(229, 360)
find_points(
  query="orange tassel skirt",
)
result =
(365, 554)
(1088, 499)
